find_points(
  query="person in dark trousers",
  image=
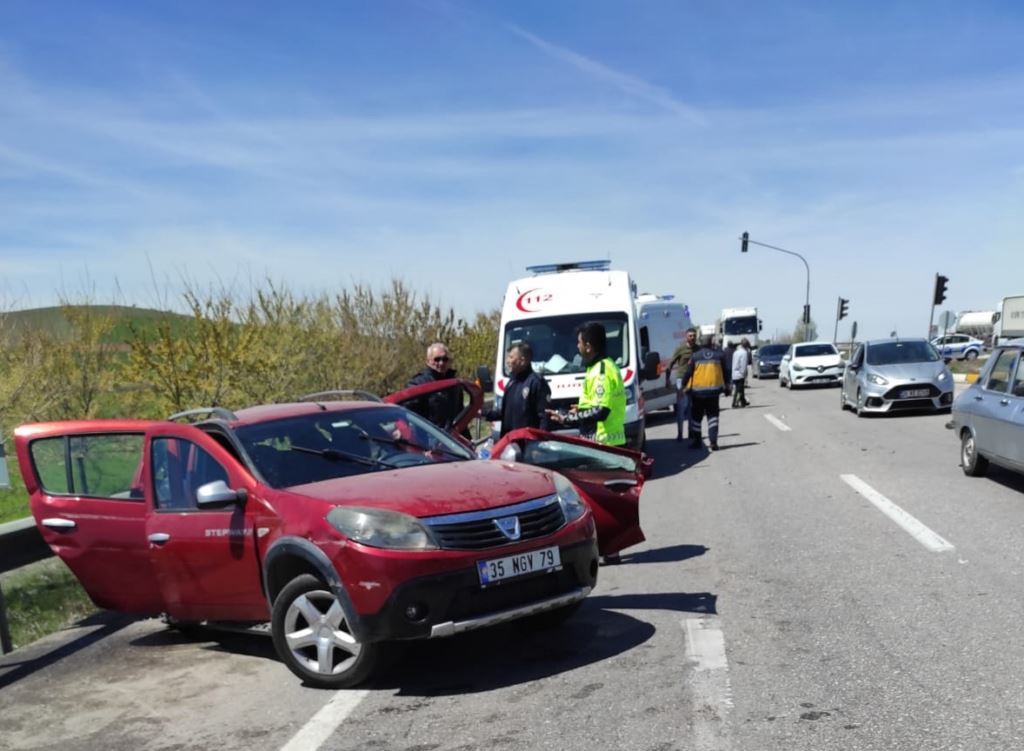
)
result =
(680, 359)
(740, 363)
(707, 377)
(442, 407)
(527, 394)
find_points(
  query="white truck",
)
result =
(1009, 320)
(546, 308)
(736, 324)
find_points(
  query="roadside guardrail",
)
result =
(20, 545)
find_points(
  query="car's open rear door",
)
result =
(85, 485)
(610, 478)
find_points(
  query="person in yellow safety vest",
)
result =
(601, 411)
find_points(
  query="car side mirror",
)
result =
(947, 359)
(217, 492)
(650, 370)
(785, 357)
(484, 378)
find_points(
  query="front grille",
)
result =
(912, 404)
(896, 391)
(479, 530)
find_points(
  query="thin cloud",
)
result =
(631, 85)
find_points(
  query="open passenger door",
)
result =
(610, 478)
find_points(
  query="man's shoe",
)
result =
(679, 436)
(714, 446)
(611, 560)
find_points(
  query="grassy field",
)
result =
(13, 501)
(42, 598)
(53, 321)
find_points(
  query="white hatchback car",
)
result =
(809, 363)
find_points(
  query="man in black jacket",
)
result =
(441, 407)
(526, 394)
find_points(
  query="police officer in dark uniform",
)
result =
(527, 394)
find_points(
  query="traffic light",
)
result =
(807, 314)
(843, 307)
(940, 289)
(743, 242)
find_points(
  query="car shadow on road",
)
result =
(32, 658)
(1006, 477)
(670, 554)
(519, 653)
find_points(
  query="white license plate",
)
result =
(910, 393)
(512, 566)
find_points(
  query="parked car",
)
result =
(767, 359)
(810, 363)
(889, 375)
(959, 346)
(988, 416)
(345, 524)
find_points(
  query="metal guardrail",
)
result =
(20, 545)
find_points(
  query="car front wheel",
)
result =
(313, 638)
(973, 463)
(859, 408)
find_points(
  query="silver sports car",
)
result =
(886, 375)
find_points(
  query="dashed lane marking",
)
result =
(931, 540)
(708, 685)
(777, 423)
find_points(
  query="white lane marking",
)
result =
(912, 526)
(320, 726)
(777, 423)
(708, 685)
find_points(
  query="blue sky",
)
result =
(453, 143)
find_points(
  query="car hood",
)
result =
(828, 361)
(432, 489)
(921, 372)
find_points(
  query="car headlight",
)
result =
(942, 376)
(380, 528)
(797, 366)
(572, 505)
(875, 378)
(760, 363)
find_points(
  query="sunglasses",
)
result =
(441, 359)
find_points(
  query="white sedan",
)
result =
(808, 363)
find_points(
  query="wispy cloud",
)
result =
(631, 85)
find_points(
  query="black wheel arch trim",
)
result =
(298, 547)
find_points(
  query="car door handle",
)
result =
(61, 525)
(624, 482)
(159, 538)
(979, 398)
(1004, 402)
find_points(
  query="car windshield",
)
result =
(553, 340)
(815, 350)
(740, 325)
(892, 353)
(562, 455)
(327, 445)
(772, 350)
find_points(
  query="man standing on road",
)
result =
(706, 377)
(680, 359)
(740, 363)
(526, 396)
(441, 407)
(601, 412)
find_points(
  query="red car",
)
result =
(347, 524)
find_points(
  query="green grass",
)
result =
(43, 597)
(53, 321)
(13, 501)
(966, 366)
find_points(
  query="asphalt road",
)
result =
(774, 606)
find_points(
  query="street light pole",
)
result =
(745, 240)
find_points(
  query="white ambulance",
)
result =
(546, 309)
(662, 324)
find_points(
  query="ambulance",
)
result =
(546, 309)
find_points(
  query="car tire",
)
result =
(859, 405)
(973, 463)
(842, 399)
(334, 659)
(782, 383)
(971, 354)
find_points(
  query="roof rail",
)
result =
(557, 268)
(365, 396)
(221, 412)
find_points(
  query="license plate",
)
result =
(910, 393)
(511, 566)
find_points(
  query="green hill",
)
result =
(53, 320)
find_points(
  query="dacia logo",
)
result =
(509, 526)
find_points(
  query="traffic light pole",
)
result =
(745, 238)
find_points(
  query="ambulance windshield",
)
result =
(553, 340)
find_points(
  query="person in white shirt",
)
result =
(740, 363)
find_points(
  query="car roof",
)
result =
(269, 412)
(801, 344)
(889, 340)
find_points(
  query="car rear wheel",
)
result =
(973, 463)
(971, 354)
(313, 638)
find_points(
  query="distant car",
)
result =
(767, 359)
(810, 363)
(988, 416)
(889, 375)
(959, 346)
